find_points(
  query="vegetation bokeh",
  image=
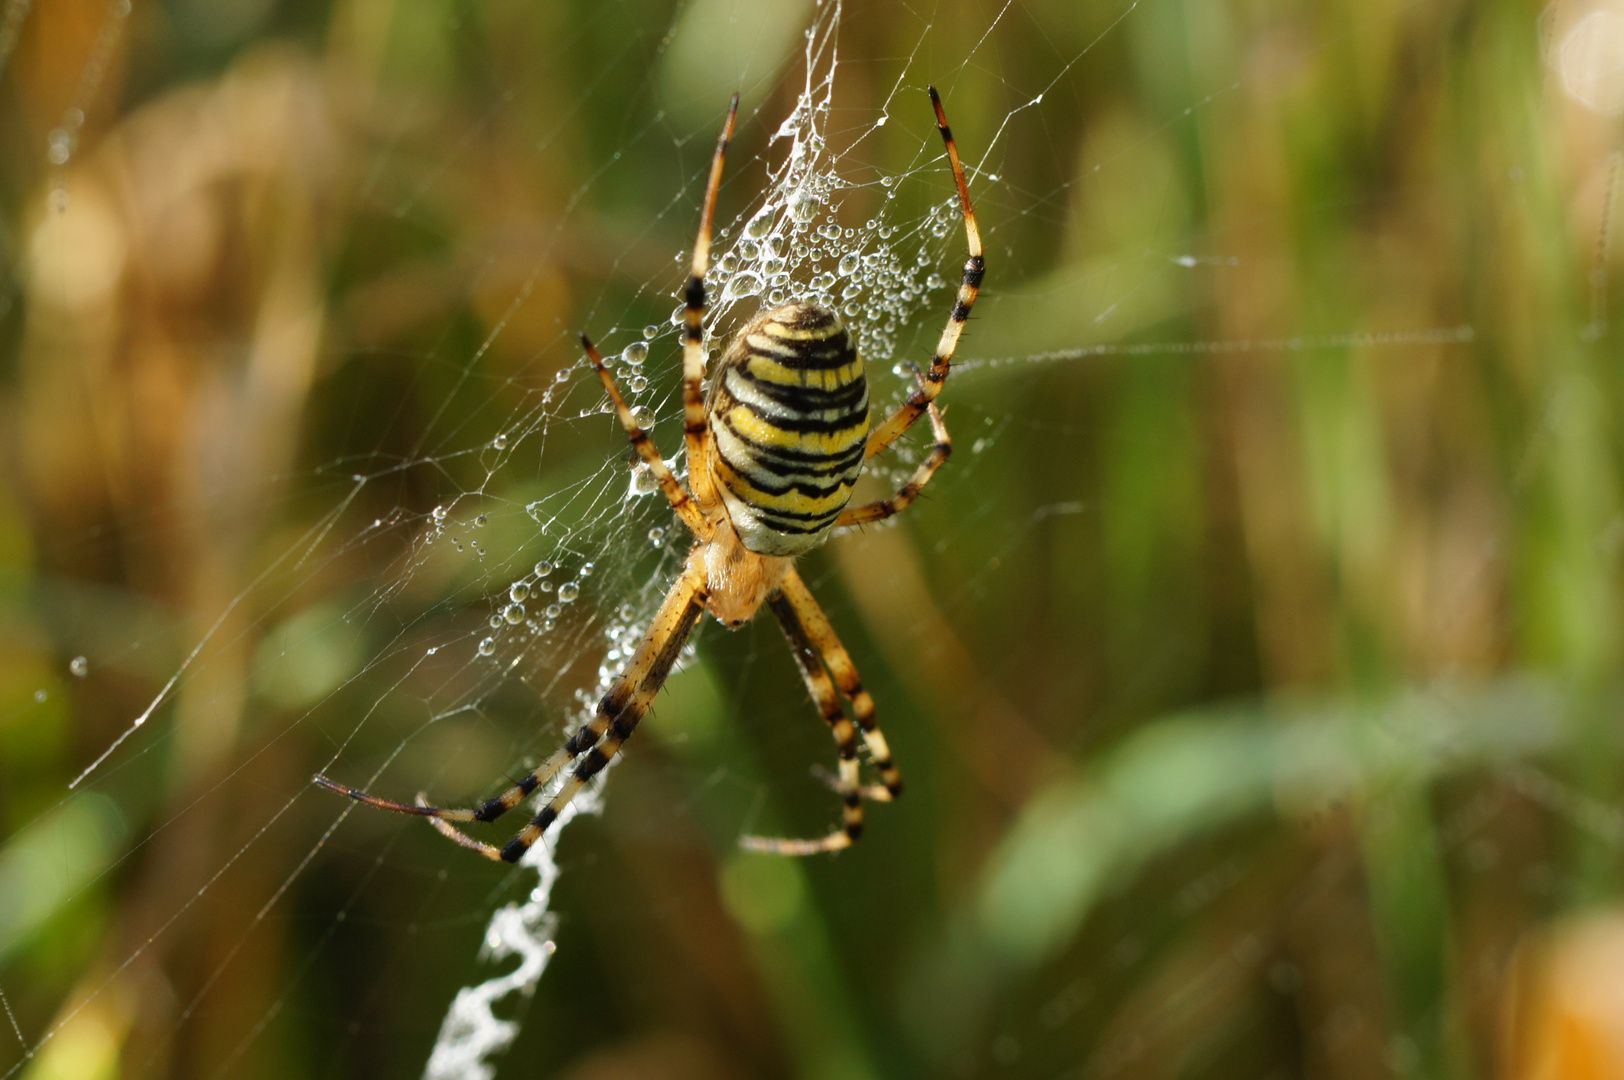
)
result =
(1254, 664)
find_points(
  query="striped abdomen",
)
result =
(789, 420)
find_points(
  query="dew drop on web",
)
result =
(803, 206)
(746, 284)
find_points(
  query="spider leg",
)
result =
(493, 808)
(974, 268)
(811, 635)
(847, 784)
(644, 445)
(822, 634)
(832, 781)
(618, 713)
(625, 703)
(884, 508)
(696, 433)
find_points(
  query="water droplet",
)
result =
(848, 263)
(935, 282)
(79, 666)
(59, 146)
(487, 646)
(543, 568)
(553, 611)
(637, 384)
(777, 296)
(500, 442)
(643, 417)
(886, 181)
(746, 284)
(803, 206)
(749, 250)
(514, 614)
(519, 593)
(438, 513)
(773, 247)
(760, 225)
(727, 264)
(635, 353)
(569, 591)
(626, 613)
(562, 375)
(59, 199)
(643, 481)
(656, 535)
(40, 697)
(829, 232)
(496, 622)
(651, 332)
(481, 521)
(587, 568)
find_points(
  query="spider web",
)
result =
(431, 609)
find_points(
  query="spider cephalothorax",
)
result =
(774, 451)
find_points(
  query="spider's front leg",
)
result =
(811, 636)
(594, 744)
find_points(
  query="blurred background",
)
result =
(1254, 664)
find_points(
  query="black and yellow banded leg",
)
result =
(679, 499)
(626, 702)
(844, 671)
(907, 493)
(695, 431)
(595, 743)
(975, 267)
(848, 785)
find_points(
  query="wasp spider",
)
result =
(773, 453)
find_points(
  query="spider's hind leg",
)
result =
(908, 492)
(675, 494)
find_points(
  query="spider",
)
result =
(773, 453)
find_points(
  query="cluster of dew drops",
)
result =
(549, 599)
(537, 588)
(794, 248)
(798, 251)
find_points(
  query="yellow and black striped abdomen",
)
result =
(788, 415)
